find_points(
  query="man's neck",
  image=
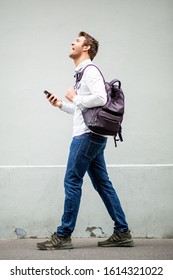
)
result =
(80, 60)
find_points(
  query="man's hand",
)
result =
(55, 101)
(70, 94)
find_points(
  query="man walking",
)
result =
(86, 152)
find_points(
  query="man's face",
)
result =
(77, 48)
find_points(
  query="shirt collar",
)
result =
(82, 64)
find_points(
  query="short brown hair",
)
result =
(90, 41)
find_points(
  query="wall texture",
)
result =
(136, 44)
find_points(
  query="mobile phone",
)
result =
(47, 93)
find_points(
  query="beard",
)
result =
(75, 55)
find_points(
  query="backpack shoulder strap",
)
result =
(79, 74)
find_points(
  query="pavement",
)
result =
(87, 249)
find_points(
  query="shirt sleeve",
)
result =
(94, 82)
(67, 107)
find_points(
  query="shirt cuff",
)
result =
(77, 100)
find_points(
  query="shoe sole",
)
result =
(120, 244)
(64, 247)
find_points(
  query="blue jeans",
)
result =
(87, 155)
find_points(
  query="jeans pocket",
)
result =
(93, 149)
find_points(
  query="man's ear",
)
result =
(86, 48)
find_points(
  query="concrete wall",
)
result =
(136, 47)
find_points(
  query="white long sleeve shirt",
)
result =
(90, 93)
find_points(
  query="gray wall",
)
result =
(135, 46)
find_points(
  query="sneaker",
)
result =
(56, 243)
(118, 239)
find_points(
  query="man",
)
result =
(86, 152)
